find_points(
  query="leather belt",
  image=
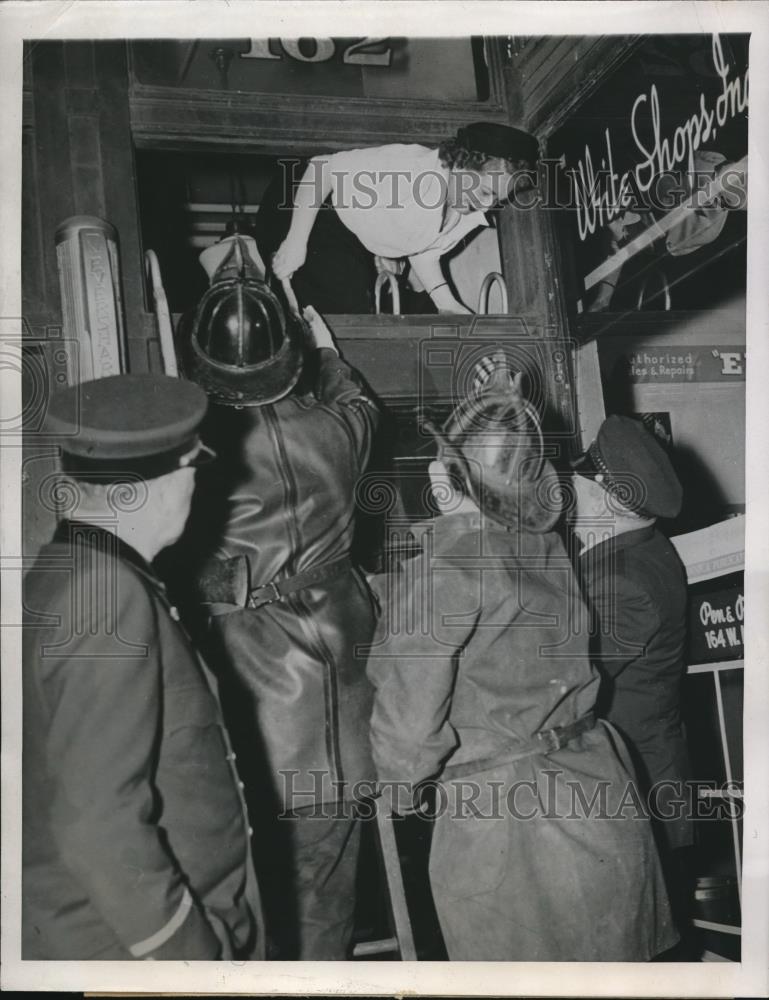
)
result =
(223, 586)
(546, 741)
(275, 591)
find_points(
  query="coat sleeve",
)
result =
(342, 388)
(624, 621)
(413, 665)
(104, 699)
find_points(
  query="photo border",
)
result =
(207, 18)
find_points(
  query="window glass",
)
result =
(671, 121)
(440, 69)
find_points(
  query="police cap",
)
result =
(128, 426)
(634, 468)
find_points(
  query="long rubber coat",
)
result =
(483, 643)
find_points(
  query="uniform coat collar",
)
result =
(617, 543)
(93, 535)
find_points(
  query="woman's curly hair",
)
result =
(452, 154)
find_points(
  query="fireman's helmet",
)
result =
(493, 444)
(241, 348)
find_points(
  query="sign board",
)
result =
(652, 183)
(707, 363)
(439, 69)
(716, 620)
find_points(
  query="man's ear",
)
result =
(446, 491)
(437, 470)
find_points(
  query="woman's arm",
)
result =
(427, 267)
(313, 189)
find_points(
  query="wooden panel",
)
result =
(86, 166)
(78, 159)
(51, 183)
(175, 117)
(33, 268)
(523, 261)
(79, 65)
(555, 75)
(119, 177)
(162, 116)
(428, 357)
(546, 68)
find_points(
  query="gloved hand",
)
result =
(289, 257)
(321, 334)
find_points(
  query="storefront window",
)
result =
(188, 198)
(654, 174)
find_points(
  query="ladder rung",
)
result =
(375, 947)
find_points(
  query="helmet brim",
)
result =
(257, 385)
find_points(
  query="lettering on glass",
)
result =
(365, 52)
(602, 194)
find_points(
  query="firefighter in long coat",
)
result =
(541, 849)
(287, 606)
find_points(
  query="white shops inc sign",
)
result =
(601, 194)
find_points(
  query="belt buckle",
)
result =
(274, 599)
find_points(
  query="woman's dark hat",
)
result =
(634, 467)
(503, 141)
(128, 427)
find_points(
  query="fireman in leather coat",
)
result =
(287, 607)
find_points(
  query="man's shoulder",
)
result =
(67, 570)
(647, 569)
(652, 558)
(619, 568)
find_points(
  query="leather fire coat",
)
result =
(283, 494)
(483, 643)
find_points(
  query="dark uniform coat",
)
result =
(286, 500)
(483, 645)
(637, 588)
(135, 839)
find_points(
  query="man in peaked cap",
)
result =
(135, 838)
(636, 586)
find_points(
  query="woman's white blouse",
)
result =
(392, 199)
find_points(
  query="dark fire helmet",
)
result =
(240, 347)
